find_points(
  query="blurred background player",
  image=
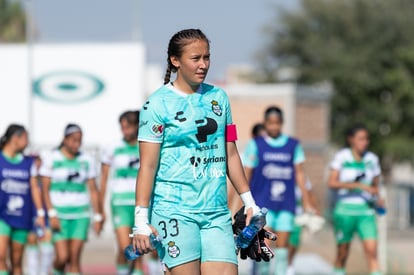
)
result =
(274, 165)
(258, 130)
(69, 189)
(355, 175)
(120, 165)
(19, 193)
(295, 236)
(39, 251)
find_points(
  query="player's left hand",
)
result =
(258, 249)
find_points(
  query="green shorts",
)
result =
(281, 221)
(294, 237)
(188, 237)
(349, 219)
(122, 215)
(15, 234)
(72, 229)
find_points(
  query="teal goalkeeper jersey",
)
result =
(190, 128)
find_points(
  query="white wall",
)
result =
(120, 67)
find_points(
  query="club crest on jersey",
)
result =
(157, 129)
(173, 249)
(216, 108)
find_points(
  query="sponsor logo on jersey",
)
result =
(284, 157)
(216, 108)
(157, 129)
(202, 170)
(277, 190)
(146, 105)
(273, 171)
(15, 203)
(14, 173)
(207, 147)
(173, 249)
(195, 161)
(14, 187)
(68, 87)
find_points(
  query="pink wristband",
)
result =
(231, 133)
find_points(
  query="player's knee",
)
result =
(61, 259)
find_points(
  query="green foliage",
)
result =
(12, 22)
(365, 48)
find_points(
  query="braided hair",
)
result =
(176, 45)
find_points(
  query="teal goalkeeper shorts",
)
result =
(192, 236)
(280, 221)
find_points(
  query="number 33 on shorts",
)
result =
(169, 228)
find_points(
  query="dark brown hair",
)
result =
(176, 45)
(12, 130)
(132, 117)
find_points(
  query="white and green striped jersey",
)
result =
(68, 189)
(123, 158)
(350, 169)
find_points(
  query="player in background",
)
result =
(20, 198)
(39, 250)
(295, 236)
(274, 165)
(355, 175)
(187, 147)
(258, 130)
(69, 189)
(119, 170)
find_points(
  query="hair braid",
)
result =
(167, 76)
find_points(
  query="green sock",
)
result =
(4, 272)
(57, 272)
(376, 273)
(122, 269)
(262, 268)
(339, 271)
(281, 256)
(137, 272)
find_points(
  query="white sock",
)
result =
(32, 254)
(122, 269)
(47, 254)
(154, 266)
(290, 270)
(281, 255)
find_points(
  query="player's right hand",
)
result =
(140, 237)
(54, 224)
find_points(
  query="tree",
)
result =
(12, 22)
(365, 49)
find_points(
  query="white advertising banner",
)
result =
(87, 84)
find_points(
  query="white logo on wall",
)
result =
(68, 86)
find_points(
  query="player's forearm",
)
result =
(94, 196)
(103, 185)
(235, 169)
(301, 182)
(36, 194)
(46, 194)
(144, 186)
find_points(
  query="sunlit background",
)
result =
(327, 63)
